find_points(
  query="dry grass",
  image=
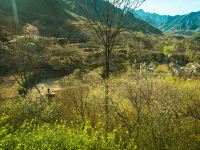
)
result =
(8, 87)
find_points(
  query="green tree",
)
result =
(167, 50)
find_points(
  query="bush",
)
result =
(169, 50)
(193, 56)
(58, 136)
(161, 114)
(65, 65)
(117, 61)
(146, 56)
(181, 58)
(26, 109)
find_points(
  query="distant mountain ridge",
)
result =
(53, 14)
(188, 22)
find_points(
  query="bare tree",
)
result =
(108, 18)
(23, 57)
(22, 61)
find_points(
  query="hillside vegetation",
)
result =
(54, 16)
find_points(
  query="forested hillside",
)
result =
(54, 16)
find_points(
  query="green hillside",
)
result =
(49, 15)
(132, 22)
(46, 14)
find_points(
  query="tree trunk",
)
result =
(106, 79)
(106, 106)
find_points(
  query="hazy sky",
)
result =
(171, 7)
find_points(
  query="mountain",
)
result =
(152, 18)
(51, 16)
(188, 22)
(133, 22)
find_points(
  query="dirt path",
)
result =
(8, 87)
(52, 84)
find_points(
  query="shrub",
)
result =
(146, 56)
(181, 58)
(193, 56)
(22, 109)
(169, 50)
(59, 136)
(161, 114)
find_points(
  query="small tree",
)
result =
(108, 18)
(30, 30)
(168, 50)
(22, 58)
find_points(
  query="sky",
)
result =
(171, 7)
